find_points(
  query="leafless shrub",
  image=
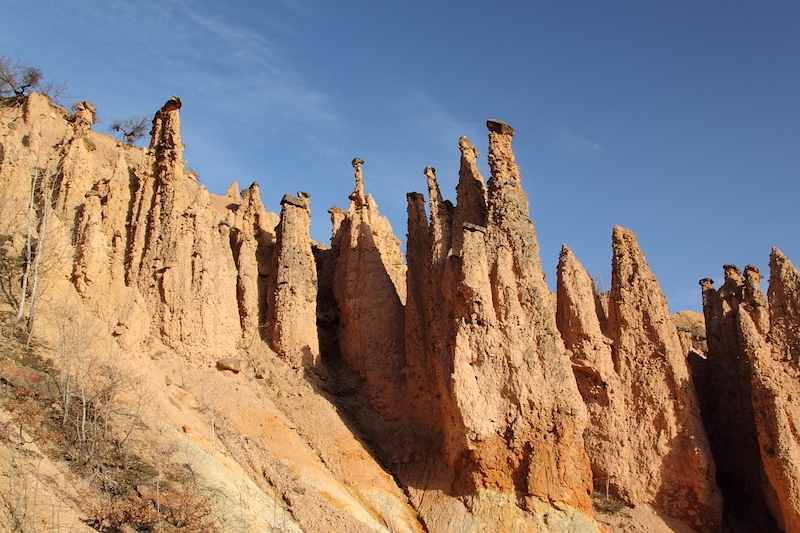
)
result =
(131, 129)
(18, 79)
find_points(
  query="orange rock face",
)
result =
(292, 300)
(180, 259)
(632, 373)
(493, 408)
(370, 275)
(512, 416)
(776, 385)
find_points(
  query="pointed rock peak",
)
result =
(576, 306)
(357, 195)
(784, 277)
(470, 192)
(233, 191)
(498, 126)
(706, 284)
(434, 193)
(572, 277)
(618, 233)
(441, 216)
(779, 264)
(628, 264)
(430, 172)
(565, 255)
(468, 151)
(337, 217)
(439, 206)
(567, 262)
(624, 240)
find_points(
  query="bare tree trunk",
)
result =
(37, 263)
(28, 243)
(48, 197)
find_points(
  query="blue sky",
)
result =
(677, 119)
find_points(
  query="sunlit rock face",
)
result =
(512, 420)
(645, 439)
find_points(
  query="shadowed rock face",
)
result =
(727, 401)
(180, 260)
(776, 386)
(370, 276)
(634, 375)
(512, 416)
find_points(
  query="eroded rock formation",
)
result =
(462, 378)
(647, 440)
(292, 300)
(513, 418)
(727, 402)
(762, 344)
(776, 387)
(370, 275)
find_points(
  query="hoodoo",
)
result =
(512, 417)
(633, 373)
(205, 365)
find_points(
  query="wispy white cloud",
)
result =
(571, 142)
(259, 72)
(581, 144)
(232, 60)
(431, 115)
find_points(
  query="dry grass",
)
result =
(113, 480)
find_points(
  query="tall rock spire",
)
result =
(470, 194)
(631, 370)
(671, 463)
(513, 418)
(776, 387)
(370, 290)
(292, 302)
(579, 316)
(728, 411)
(180, 260)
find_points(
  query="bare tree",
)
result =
(130, 129)
(17, 79)
(39, 207)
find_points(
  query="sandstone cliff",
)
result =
(756, 339)
(632, 372)
(273, 383)
(512, 419)
(144, 275)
